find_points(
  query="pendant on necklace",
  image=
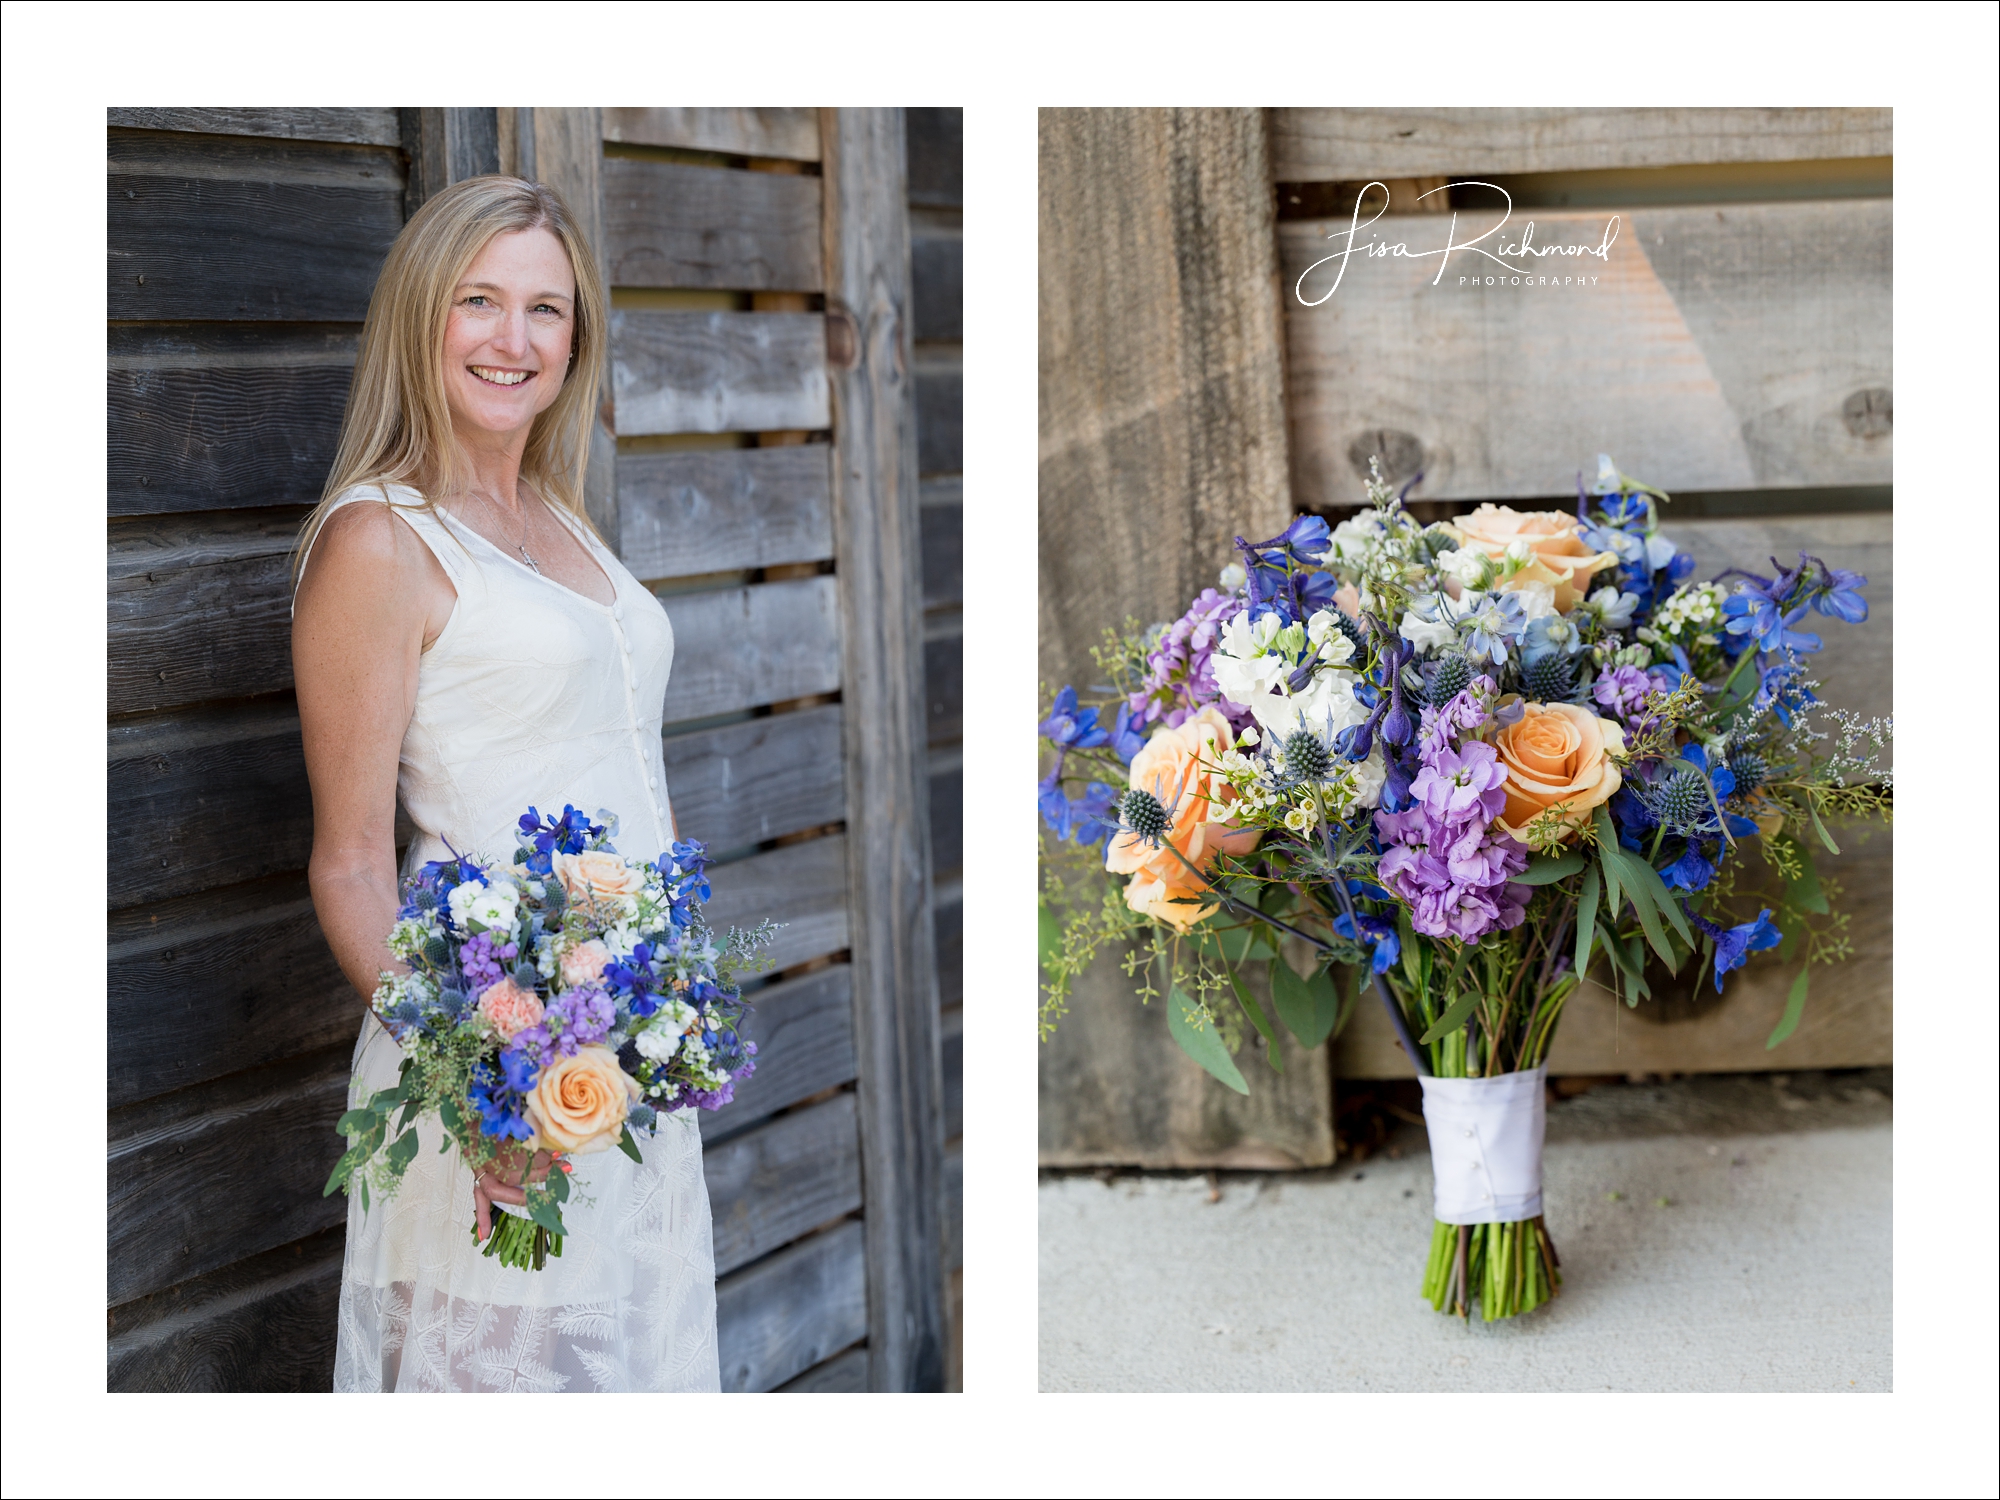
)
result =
(527, 558)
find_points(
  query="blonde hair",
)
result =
(397, 429)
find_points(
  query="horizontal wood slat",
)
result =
(953, 1212)
(681, 514)
(189, 440)
(361, 127)
(947, 793)
(935, 148)
(937, 286)
(247, 230)
(201, 1179)
(940, 387)
(951, 1044)
(1721, 349)
(768, 643)
(786, 1314)
(217, 983)
(748, 783)
(207, 801)
(668, 224)
(843, 1373)
(263, 1324)
(789, 133)
(804, 1031)
(782, 1180)
(200, 608)
(718, 372)
(802, 885)
(1354, 145)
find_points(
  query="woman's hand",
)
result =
(500, 1181)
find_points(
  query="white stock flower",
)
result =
(1472, 568)
(1323, 631)
(1537, 599)
(660, 1043)
(1426, 634)
(1242, 668)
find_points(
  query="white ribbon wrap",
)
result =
(1486, 1146)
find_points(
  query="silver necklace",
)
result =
(521, 545)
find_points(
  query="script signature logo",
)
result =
(1499, 253)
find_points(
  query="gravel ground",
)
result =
(1716, 1234)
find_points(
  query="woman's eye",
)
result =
(475, 301)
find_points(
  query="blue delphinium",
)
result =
(1734, 945)
(1362, 927)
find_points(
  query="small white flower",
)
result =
(1471, 567)
(1231, 578)
(659, 1043)
(621, 940)
(1426, 635)
(1519, 554)
(1537, 599)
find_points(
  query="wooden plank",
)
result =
(948, 932)
(263, 1324)
(749, 783)
(1856, 668)
(804, 1031)
(222, 416)
(881, 612)
(199, 608)
(668, 224)
(1848, 1020)
(247, 230)
(783, 1179)
(1352, 145)
(937, 279)
(686, 513)
(947, 798)
(843, 1373)
(185, 797)
(1718, 349)
(1115, 1089)
(784, 1315)
(359, 127)
(944, 686)
(768, 643)
(936, 154)
(718, 371)
(940, 395)
(802, 885)
(1162, 416)
(789, 133)
(218, 982)
(444, 146)
(942, 519)
(951, 1038)
(566, 147)
(210, 1175)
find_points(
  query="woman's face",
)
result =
(507, 341)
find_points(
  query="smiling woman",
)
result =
(463, 641)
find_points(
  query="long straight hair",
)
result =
(398, 426)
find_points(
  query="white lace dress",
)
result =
(535, 695)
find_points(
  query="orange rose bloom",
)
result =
(1562, 559)
(1170, 761)
(1555, 753)
(579, 1103)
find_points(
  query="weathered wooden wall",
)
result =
(716, 461)
(1736, 352)
(1162, 434)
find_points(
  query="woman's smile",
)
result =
(494, 375)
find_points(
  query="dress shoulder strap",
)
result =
(426, 521)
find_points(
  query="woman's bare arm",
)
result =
(371, 599)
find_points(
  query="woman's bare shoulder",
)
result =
(367, 548)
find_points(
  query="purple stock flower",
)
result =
(481, 961)
(578, 1018)
(1458, 784)
(1623, 690)
(1179, 680)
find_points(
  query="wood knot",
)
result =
(1868, 413)
(1402, 454)
(843, 339)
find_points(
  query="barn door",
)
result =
(756, 465)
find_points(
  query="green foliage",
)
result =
(1192, 1024)
(1308, 1007)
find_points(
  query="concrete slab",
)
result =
(1716, 1235)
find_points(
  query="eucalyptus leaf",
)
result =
(1805, 892)
(1255, 1012)
(1199, 1041)
(1820, 829)
(1795, 1006)
(1048, 933)
(357, 1121)
(543, 1212)
(1547, 869)
(1586, 920)
(400, 1151)
(629, 1146)
(1308, 1007)
(1453, 1018)
(1244, 945)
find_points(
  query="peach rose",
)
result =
(579, 1103)
(1171, 760)
(511, 1009)
(1555, 752)
(1562, 559)
(599, 874)
(584, 962)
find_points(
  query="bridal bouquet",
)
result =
(1474, 762)
(553, 1005)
